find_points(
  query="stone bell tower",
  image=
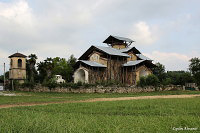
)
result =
(17, 67)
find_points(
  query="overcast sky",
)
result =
(168, 31)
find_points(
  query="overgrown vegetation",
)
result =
(150, 80)
(161, 77)
(179, 77)
(51, 84)
(56, 66)
(195, 69)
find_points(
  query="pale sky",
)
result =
(167, 31)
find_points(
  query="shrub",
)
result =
(150, 80)
(142, 82)
(86, 85)
(28, 84)
(109, 83)
(167, 81)
(76, 85)
(51, 83)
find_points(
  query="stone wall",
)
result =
(101, 89)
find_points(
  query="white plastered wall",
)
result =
(81, 75)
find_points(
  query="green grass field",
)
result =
(38, 97)
(151, 116)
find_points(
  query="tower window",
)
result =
(19, 63)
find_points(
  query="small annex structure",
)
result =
(17, 70)
(59, 79)
(117, 62)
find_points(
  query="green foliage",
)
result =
(30, 68)
(194, 68)
(76, 85)
(16, 85)
(167, 81)
(56, 66)
(109, 83)
(51, 83)
(179, 77)
(142, 82)
(86, 85)
(150, 80)
(28, 84)
(159, 71)
(6, 76)
(71, 62)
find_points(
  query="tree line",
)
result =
(44, 71)
(162, 77)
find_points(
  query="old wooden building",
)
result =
(118, 61)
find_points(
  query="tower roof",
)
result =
(17, 55)
(116, 39)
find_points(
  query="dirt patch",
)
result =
(7, 94)
(102, 99)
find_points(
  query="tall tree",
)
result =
(6, 75)
(56, 66)
(45, 69)
(194, 68)
(49, 65)
(179, 77)
(159, 71)
(71, 62)
(31, 67)
(61, 67)
(42, 71)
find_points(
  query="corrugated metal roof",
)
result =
(141, 56)
(116, 39)
(125, 49)
(112, 51)
(92, 63)
(123, 38)
(135, 51)
(132, 63)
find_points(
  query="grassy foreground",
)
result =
(41, 97)
(151, 116)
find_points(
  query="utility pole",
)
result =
(4, 83)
